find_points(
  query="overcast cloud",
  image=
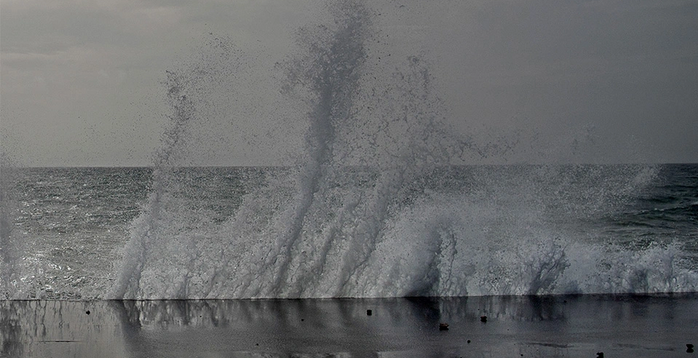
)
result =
(592, 81)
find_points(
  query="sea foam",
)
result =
(378, 203)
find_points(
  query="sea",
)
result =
(378, 194)
(234, 232)
(379, 231)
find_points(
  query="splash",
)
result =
(378, 205)
(13, 273)
(147, 231)
(8, 248)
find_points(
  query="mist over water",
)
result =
(377, 204)
(376, 197)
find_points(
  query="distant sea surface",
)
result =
(70, 227)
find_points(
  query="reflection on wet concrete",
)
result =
(559, 326)
(58, 329)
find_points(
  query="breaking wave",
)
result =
(379, 203)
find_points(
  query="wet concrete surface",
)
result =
(554, 326)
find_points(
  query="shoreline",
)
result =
(513, 326)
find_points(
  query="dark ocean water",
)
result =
(473, 230)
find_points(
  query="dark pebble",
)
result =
(689, 348)
(468, 341)
(483, 318)
(443, 326)
(369, 312)
(599, 355)
(87, 312)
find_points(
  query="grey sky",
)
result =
(597, 81)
